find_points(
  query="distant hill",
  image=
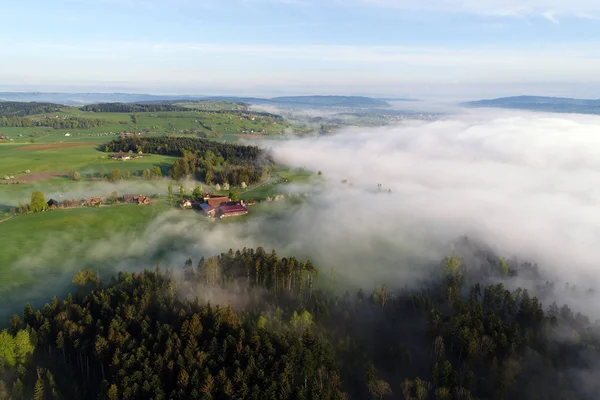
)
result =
(93, 98)
(78, 99)
(309, 101)
(538, 103)
(332, 101)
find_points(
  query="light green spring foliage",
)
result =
(7, 349)
(452, 265)
(198, 193)
(503, 267)
(38, 202)
(262, 322)
(15, 349)
(23, 345)
(302, 321)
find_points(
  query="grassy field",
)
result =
(88, 160)
(24, 236)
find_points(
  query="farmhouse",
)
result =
(208, 210)
(53, 204)
(139, 200)
(216, 201)
(232, 210)
(92, 202)
(186, 203)
(121, 156)
(222, 206)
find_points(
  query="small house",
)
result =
(53, 204)
(187, 203)
(121, 156)
(208, 210)
(139, 200)
(93, 201)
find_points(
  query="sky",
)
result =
(434, 48)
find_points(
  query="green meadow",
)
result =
(88, 160)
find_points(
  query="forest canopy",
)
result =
(132, 108)
(22, 109)
(207, 160)
(157, 335)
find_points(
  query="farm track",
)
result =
(48, 146)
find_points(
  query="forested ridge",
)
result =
(207, 160)
(131, 108)
(288, 334)
(22, 109)
(52, 122)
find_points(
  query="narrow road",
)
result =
(6, 219)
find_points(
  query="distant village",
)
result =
(213, 206)
(99, 201)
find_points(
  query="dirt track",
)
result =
(250, 136)
(48, 146)
(35, 177)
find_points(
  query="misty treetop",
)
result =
(136, 339)
(459, 335)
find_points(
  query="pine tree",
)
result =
(38, 389)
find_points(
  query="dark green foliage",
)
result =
(453, 337)
(131, 108)
(52, 122)
(22, 109)
(203, 159)
(176, 146)
(136, 339)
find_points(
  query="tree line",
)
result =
(213, 169)
(21, 109)
(56, 123)
(204, 159)
(131, 108)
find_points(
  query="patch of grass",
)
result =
(31, 234)
(85, 159)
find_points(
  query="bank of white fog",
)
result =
(525, 183)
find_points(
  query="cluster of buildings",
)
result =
(217, 206)
(139, 200)
(127, 133)
(122, 156)
(97, 202)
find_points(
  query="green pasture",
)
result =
(207, 124)
(87, 160)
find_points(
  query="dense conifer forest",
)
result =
(21, 109)
(132, 108)
(52, 122)
(204, 159)
(287, 333)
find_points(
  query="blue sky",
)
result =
(460, 48)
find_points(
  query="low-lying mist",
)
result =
(392, 201)
(523, 183)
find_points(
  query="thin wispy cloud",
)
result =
(501, 8)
